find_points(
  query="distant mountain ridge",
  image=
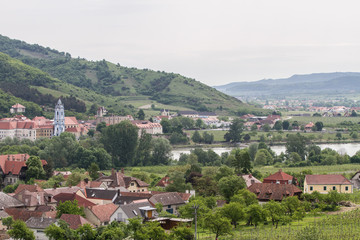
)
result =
(316, 83)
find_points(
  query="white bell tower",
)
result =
(59, 119)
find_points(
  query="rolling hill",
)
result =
(325, 84)
(119, 88)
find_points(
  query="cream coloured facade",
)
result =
(326, 183)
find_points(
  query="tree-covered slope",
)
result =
(105, 78)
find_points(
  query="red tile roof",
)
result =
(74, 221)
(89, 184)
(104, 212)
(22, 214)
(326, 179)
(14, 162)
(280, 175)
(82, 202)
(18, 105)
(163, 182)
(271, 191)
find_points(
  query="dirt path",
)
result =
(343, 210)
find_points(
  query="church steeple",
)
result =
(59, 119)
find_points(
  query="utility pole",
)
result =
(195, 207)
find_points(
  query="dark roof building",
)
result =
(270, 191)
(118, 179)
(7, 201)
(39, 222)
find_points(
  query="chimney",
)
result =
(119, 193)
(86, 180)
(112, 172)
(250, 175)
(8, 157)
(252, 181)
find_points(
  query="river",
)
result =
(342, 148)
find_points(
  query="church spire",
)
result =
(59, 119)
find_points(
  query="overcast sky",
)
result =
(215, 42)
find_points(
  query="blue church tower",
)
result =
(59, 119)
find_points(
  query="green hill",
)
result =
(116, 86)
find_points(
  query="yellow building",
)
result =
(327, 183)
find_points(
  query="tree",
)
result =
(91, 133)
(205, 186)
(69, 207)
(217, 224)
(196, 137)
(233, 211)
(75, 178)
(120, 140)
(21, 231)
(165, 123)
(94, 171)
(254, 214)
(353, 113)
(181, 233)
(101, 126)
(161, 151)
(291, 204)
(60, 231)
(266, 127)
(242, 162)
(285, 125)
(319, 126)
(35, 169)
(278, 125)
(199, 123)
(228, 186)
(244, 197)
(8, 221)
(263, 157)
(247, 137)
(143, 152)
(223, 171)
(338, 136)
(58, 150)
(208, 137)
(275, 211)
(254, 128)
(141, 114)
(177, 182)
(296, 143)
(252, 150)
(235, 132)
(86, 232)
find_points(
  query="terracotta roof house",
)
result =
(280, 178)
(56, 191)
(31, 200)
(91, 184)
(250, 179)
(277, 192)
(13, 167)
(7, 201)
(327, 183)
(171, 201)
(17, 108)
(118, 179)
(23, 214)
(30, 188)
(82, 202)
(163, 182)
(100, 215)
(142, 209)
(74, 221)
(38, 225)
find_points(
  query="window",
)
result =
(311, 188)
(132, 184)
(135, 212)
(324, 188)
(277, 182)
(346, 188)
(334, 188)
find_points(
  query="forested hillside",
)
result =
(114, 80)
(324, 84)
